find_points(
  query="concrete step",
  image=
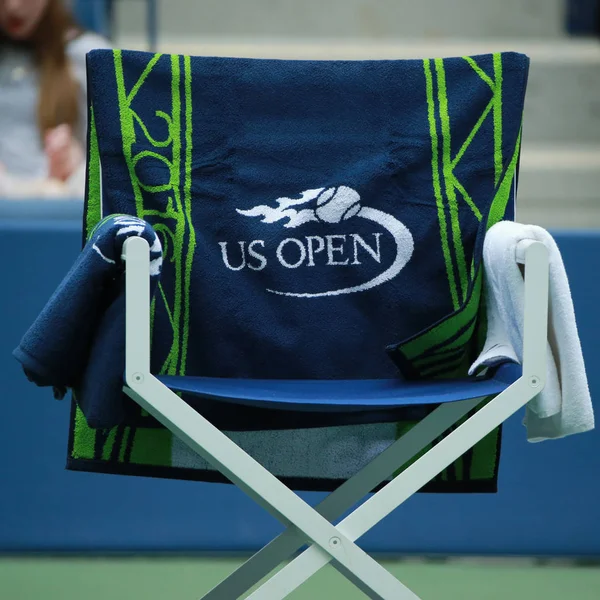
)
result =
(563, 94)
(340, 19)
(563, 101)
(559, 187)
(560, 167)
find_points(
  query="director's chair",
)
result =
(334, 543)
(322, 224)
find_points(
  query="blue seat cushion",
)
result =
(273, 403)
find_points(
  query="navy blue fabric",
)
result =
(298, 210)
(78, 340)
(345, 395)
(296, 404)
(263, 131)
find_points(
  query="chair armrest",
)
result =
(136, 254)
(534, 256)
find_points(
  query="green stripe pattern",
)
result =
(444, 350)
(445, 188)
(174, 225)
(94, 185)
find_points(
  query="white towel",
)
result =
(564, 407)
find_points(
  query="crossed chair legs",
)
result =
(329, 543)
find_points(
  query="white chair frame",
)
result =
(313, 526)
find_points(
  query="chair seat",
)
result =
(344, 395)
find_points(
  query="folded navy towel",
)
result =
(78, 340)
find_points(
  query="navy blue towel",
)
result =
(78, 340)
(319, 220)
(313, 213)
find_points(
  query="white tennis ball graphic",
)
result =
(337, 204)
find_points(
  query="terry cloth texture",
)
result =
(319, 219)
(564, 407)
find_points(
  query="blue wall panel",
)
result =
(549, 500)
(94, 15)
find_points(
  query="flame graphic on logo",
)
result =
(284, 210)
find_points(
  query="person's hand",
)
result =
(63, 151)
(14, 187)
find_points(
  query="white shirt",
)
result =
(21, 150)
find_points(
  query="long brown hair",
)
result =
(58, 90)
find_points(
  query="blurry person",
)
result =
(43, 110)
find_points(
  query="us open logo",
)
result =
(332, 206)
